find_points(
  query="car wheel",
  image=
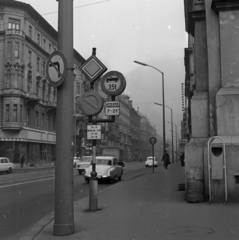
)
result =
(120, 177)
(9, 170)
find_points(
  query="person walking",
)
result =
(22, 160)
(166, 159)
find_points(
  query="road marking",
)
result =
(40, 180)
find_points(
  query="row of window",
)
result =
(15, 24)
(42, 121)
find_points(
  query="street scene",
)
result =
(119, 120)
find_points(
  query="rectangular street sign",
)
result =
(93, 132)
(112, 111)
(112, 104)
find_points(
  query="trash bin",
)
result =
(194, 185)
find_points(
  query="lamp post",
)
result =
(171, 128)
(176, 140)
(144, 64)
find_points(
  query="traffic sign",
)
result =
(93, 68)
(112, 108)
(91, 103)
(56, 67)
(152, 140)
(93, 132)
(112, 111)
(113, 83)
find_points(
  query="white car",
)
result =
(149, 162)
(83, 164)
(6, 165)
(107, 168)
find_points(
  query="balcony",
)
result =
(12, 126)
(15, 32)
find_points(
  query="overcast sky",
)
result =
(149, 31)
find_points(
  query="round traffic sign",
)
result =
(152, 140)
(113, 83)
(91, 103)
(56, 68)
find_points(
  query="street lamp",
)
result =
(176, 141)
(171, 128)
(144, 64)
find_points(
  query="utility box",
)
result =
(217, 163)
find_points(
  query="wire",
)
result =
(77, 7)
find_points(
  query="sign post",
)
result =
(153, 141)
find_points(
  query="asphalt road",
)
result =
(24, 204)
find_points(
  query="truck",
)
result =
(115, 152)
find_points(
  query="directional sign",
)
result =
(113, 83)
(152, 140)
(91, 103)
(93, 132)
(93, 68)
(56, 68)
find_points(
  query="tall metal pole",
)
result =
(172, 135)
(144, 64)
(164, 146)
(176, 143)
(64, 208)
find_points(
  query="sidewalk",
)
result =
(147, 207)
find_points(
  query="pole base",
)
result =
(63, 229)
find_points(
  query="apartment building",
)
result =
(27, 101)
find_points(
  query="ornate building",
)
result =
(27, 101)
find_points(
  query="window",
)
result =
(48, 121)
(43, 91)
(37, 87)
(49, 48)
(44, 43)
(14, 114)
(7, 113)
(13, 24)
(30, 32)
(29, 82)
(29, 56)
(21, 113)
(42, 120)
(38, 64)
(28, 116)
(53, 123)
(43, 68)
(9, 49)
(38, 39)
(16, 49)
(36, 119)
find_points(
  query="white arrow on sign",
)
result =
(56, 68)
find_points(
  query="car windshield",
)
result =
(86, 159)
(104, 162)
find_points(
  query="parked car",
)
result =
(75, 161)
(150, 163)
(107, 168)
(6, 165)
(83, 164)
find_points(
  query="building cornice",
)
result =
(222, 5)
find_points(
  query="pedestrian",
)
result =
(22, 160)
(166, 159)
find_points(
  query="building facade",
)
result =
(211, 91)
(27, 101)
